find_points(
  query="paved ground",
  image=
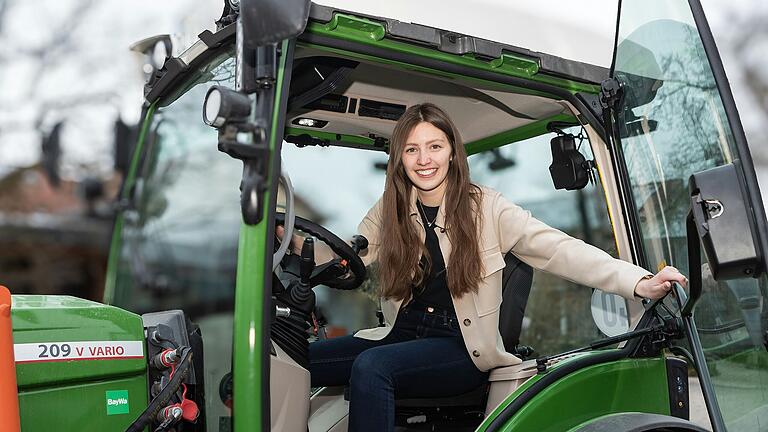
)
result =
(743, 398)
(698, 408)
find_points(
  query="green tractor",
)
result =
(206, 319)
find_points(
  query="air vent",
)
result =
(331, 102)
(381, 110)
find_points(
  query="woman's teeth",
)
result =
(426, 172)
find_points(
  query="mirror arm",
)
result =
(696, 228)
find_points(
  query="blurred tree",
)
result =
(741, 34)
(52, 154)
(74, 68)
(749, 45)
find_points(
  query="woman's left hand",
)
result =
(658, 285)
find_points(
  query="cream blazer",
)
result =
(505, 228)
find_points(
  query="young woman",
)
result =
(439, 241)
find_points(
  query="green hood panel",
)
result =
(62, 339)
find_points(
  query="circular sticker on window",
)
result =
(609, 311)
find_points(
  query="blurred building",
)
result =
(54, 238)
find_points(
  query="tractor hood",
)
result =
(83, 361)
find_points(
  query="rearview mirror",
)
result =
(268, 22)
(570, 170)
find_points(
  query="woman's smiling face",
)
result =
(426, 158)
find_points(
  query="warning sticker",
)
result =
(66, 351)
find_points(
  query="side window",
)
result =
(558, 315)
(179, 237)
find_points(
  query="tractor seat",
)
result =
(516, 286)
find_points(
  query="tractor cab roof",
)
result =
(354, 74)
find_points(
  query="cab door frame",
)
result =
(254, 310)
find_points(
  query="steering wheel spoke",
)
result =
(328, 272)
(346, 272)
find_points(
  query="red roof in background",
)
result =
(27, 190)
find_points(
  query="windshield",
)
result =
(675, 125)
(178, 243)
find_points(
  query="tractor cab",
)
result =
(283, 116)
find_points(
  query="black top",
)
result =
(434, 290)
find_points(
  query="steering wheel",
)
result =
(345, 273)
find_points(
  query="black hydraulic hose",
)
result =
(162, 399)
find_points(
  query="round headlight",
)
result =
(223, 105)
(212, 107)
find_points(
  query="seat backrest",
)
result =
(517, 278)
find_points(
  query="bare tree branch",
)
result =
(61, 41)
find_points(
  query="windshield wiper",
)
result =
(541, 362)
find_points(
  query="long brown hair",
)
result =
(401, 248)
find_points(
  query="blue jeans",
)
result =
(422, 356)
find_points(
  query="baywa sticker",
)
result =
(117, 402)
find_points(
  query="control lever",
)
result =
(307, 263)
(359, 243)
(303, 290)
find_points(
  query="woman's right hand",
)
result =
(296, 242)
(657, 286)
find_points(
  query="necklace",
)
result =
(430, 224)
